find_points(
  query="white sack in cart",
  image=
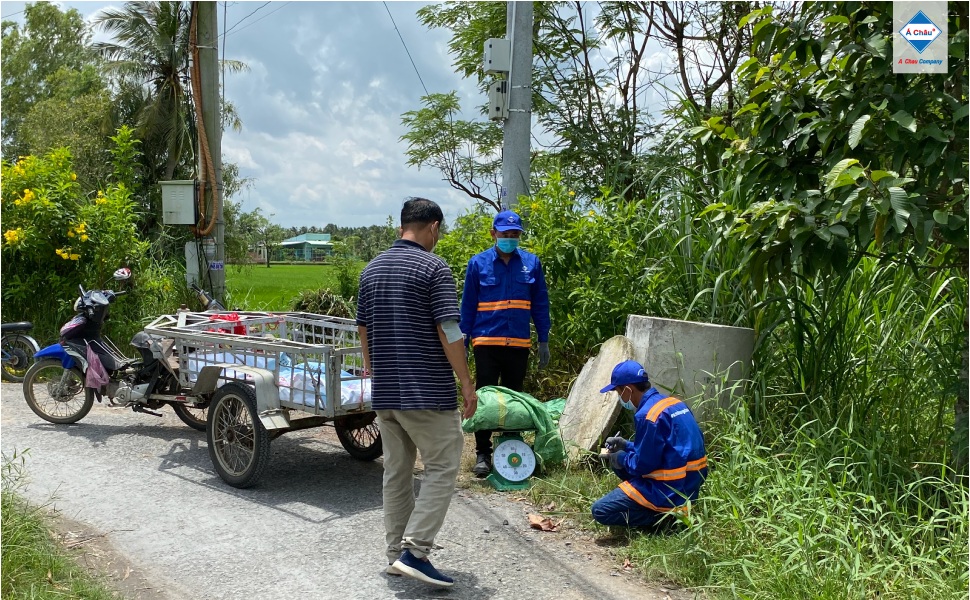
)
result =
(197, 360)
(299, 384)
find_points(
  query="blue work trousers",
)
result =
(616, 508)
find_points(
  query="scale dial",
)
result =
(514, 460)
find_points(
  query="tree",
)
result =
(837, 157)
(466, 153)
(78, 115)
(592, 69)
(49, 42)
(255, 226)
(151, 48)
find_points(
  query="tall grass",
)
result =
(773, 521)
(34, 566)
(829, 481)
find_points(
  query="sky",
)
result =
(321, 107)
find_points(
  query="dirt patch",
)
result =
(95, 552)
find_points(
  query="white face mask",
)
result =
(627, 404)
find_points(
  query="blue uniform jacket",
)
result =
(665, 463)
(499, 300)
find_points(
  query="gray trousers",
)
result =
(413, 524)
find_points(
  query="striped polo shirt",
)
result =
(405, 292)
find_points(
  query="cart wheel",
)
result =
(238, 442)
(192, 416)
(56, 394)
(360, 436)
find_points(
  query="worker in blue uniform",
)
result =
(663, 467)
(504, 290)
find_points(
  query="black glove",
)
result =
(616, 444)
(544, 354)
(614, 460)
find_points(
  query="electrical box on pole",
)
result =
(179, 199)
(498, 100)
(498, 56)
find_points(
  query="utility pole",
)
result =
(208, 41)
(516, 144)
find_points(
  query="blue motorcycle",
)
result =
(56, 387)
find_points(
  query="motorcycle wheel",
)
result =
(360, 436)
(190, 415)
(238, 442)
(56, 394)
(18, 356)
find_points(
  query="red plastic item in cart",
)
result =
(231, 317)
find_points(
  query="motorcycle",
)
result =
(18, 350)
(56, 386)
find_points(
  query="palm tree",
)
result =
(151, 50)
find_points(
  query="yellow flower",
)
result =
(84, 237)
(167, 288)
(61, 252)
(535, 206)
(70, 233)
(73, 176)
(81, 226)
(75, 256)
(28, 196)
(592, 214)
(14, 235)
(572, 193)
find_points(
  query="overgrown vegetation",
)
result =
(821, 200)
(34, 565)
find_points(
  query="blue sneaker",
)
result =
(422, 570)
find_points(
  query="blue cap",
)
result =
(625, 373)
(507, 221)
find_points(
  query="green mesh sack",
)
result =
(501, 408)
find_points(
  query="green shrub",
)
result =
(324, 302)
(55, 238)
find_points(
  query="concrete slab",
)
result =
(692, 361)
(588, 414)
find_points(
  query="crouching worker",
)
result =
(664, 465)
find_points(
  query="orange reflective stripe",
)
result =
(637, 497)
(697, 465)
(502, 341)
(504, 304)
(678, 473)
(667, 475)
(654, 413)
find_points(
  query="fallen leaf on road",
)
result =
(541, 523)
(627, 564)
(551, 506)
(127, 573)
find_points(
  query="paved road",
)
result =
(312, 528)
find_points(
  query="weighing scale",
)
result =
(513, 461)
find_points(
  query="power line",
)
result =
(261, 7)
(406, 49)
(13, 15)
(260, 19)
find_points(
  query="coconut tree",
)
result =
(151, 48)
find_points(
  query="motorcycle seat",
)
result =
(10, 327)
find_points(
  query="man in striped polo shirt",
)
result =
(505, 290)
(407, 316)
(665, 464)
